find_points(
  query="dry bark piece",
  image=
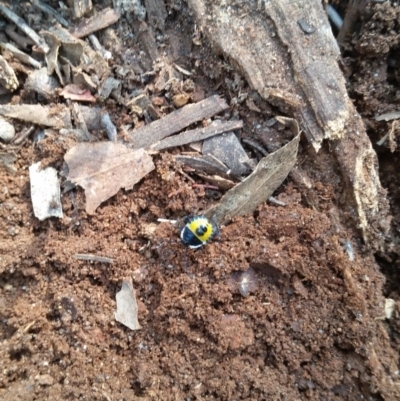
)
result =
(7, 75)
(271, 171)
(103, 168)
(100, 20)
(127, 308)
(228, 149)
(70, 47)
(51, 56)
(198, 134)
(56, 116)
(80, 7)
(24, 28)
(177, 120)
(45, 192)
(40, 82)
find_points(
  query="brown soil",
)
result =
(313, 328)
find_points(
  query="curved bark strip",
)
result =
(286, 51)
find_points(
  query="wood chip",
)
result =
(176, 121)
(100, 20)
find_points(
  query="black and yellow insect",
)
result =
(198, 231)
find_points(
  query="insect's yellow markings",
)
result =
(193, 225)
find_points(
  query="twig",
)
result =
(334, 16)
(51, 11)
(21, 40)
(20, 139)
(255, 146)
(276, 201)
(92, 258)
(24, 28)
(205, 186)
(20, 55)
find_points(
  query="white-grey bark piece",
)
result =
(45, 192)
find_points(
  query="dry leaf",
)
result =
(258, 186)
(103, 168)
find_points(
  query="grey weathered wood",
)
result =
(176, 121)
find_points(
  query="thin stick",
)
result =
(25, 28)
(20, 55)
(92, 258)
(198, 134)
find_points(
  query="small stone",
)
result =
(180, 100)
(44, 380)
(7, 130)
(8, 288)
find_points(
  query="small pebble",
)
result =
(7, 131)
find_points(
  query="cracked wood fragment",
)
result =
(174, 122)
